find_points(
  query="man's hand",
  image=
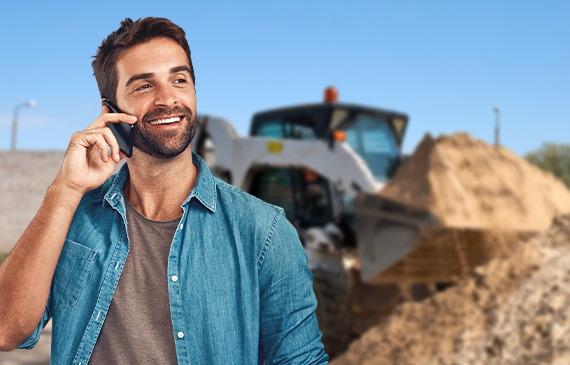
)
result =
(87, 163)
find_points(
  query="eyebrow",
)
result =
(149, 75)
(180, 69)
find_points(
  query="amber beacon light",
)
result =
(339, 136)
(331, 95)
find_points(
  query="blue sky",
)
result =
(444, 63)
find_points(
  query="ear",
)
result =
(104, 108)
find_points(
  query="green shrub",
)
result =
(554, 158)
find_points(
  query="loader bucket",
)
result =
(386, 232)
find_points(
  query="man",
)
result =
(212, 276)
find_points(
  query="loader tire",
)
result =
(333, 310)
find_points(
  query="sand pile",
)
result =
(467, 183)
(511, 311)
(493, 211)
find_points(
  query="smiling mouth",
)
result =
(166, 120)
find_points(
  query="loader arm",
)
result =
(238, 155)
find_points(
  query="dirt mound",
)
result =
(468, 184)
(512, 311)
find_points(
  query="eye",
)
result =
(180, 81)
(145, 86)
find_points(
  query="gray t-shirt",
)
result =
(138, 326)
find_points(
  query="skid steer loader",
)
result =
(324, 164)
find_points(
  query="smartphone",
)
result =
(123, 132)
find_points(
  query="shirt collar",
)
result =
(204, 189)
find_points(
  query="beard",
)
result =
(164, 144)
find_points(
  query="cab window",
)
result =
(271, 129)
(303, 195)
(292, 127)
(274, 186)
(374, 141)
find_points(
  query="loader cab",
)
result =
(376, 135)
(304, 195)
(307, 198)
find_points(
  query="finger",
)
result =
(104, 149)
(107, 118)
(91, 140)
(94, 153)
(111, 141)
(101, 144)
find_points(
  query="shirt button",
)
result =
(180, 334)
(175, 279)
(181, 225)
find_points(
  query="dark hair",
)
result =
(129, 34)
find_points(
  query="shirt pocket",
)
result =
(70, 273)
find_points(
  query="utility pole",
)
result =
(497, 111)
(30, 104)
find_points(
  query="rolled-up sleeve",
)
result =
(33, 339)
(289, 330)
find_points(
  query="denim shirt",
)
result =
(239, 285)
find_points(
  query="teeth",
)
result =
(165, 121)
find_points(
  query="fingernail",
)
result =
(118, 156)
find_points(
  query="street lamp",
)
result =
(31, 104)
(497, 126)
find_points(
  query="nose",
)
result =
(165, 96)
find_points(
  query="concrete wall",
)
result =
(24, 179)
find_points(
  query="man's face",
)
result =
(155, 86)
